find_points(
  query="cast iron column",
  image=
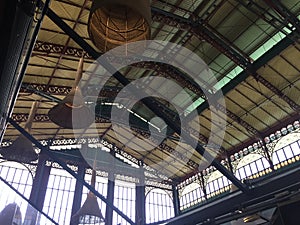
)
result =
(38, 191)
(176, 201)
(140, 205)
(110, 195)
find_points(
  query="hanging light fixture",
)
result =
(72, 106)
(116, 22)
(90, 212)
(21, 150)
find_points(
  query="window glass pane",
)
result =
(288, 152)
(281, 155)
(59, 196)
(242, 173)
(254, 167)
(161, 208)
(124, 199)
(295, 148)
(247, 170)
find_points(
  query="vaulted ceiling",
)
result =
(252, 48)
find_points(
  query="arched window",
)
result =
(251, 165)
(191, 195)
(288, 147)
(59, 196)
(216, 184)
(159, 206)
(124, 199)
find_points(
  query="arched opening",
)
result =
(217, 183)
(251, 166)
(191, 195)
(159, 205)
(286, 150)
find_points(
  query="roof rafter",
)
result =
(161, 69)
(158, 112)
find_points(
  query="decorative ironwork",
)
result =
(51, 89)
(32, 168)
(148, 189)
(22, 117)
(158, 184)
(127, 178)
(105, 143)
(73, 167)
(98, 172)
(50, 48)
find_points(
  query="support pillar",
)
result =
(78, 193)
(110, 198)
(38, 191)
(140, 205)
(176, 201)
(110, 195)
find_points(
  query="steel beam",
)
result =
(267, 132)
(140, 199)
(277, 92)
(165, 70)
(285, 13)
(276, 50)
(147, 102)
(22, 117)
(176, 202)
(68, 30)
(268, 17)
(39, 188)
(110, 192)
(201, 31)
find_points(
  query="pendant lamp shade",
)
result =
(116, 22)
(71, 112)
(21, 150)
(90, 212)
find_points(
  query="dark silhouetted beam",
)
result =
(285, 13)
